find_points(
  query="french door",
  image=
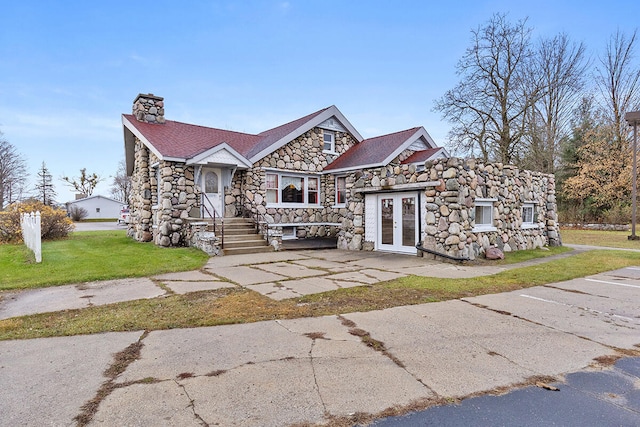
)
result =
(397, 222)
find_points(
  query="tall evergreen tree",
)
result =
(45, 191)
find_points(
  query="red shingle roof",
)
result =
(421, 156)
(185, 141)
(372, 151)
(182, 140)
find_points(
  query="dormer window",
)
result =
(329, 142)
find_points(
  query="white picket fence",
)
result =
(30, 224)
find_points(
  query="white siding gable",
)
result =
(221, 157)
(419, 145)
(332, 124)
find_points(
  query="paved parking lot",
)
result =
(284, 372)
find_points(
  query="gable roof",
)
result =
(181, 141)
(379, 151)
(424, 155)
(192, 144)
(282, 135)
(176, 140)
(97, 196)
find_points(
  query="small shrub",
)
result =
(620, 213)
(77, 213)
(54, 222)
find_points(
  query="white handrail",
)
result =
(30, 224)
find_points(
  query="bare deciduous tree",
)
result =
(499, 85)
(618, 79)
(563, 67)
(85, 183)
(13, 173)
(121, 184)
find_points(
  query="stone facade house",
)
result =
(317, 177)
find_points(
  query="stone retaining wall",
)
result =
(602, 227)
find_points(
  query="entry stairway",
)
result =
(240, 237)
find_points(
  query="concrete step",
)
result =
(248, 250)
(240, 237)
(244, 243)
(239, 230)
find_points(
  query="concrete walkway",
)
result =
(278, 275)
(317, 370)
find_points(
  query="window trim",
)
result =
(344, 190)
(305, 195)
(533, 223)
(332, 150)
(485, 226)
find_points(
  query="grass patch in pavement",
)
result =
(612, 239)
(237, 305)
(91, 255)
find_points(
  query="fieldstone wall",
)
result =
(395, 176)
(449, 217)
(247, 194)
(159, 207)
(450, 188)
(141, 197)
(178, 195)
(149, 108)
(304, 154)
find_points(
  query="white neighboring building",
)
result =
(99, 207)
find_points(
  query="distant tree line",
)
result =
(547, 105)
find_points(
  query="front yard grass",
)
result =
(89, 256)
(242, 306)
(613, 239)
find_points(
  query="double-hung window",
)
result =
(284, 189)
(273, 190)
(484, 215)
(341, 185)
(329, 142)
(528, 215)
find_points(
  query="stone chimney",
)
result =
(149, 108)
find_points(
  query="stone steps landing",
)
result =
(240, 237)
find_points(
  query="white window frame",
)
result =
(532, 223)
(332, 135)
(272, 189)
(289, 233)
(344, 191)
(305, 190)
(486, 226)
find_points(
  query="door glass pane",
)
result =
(408, 221)
(387, 221)
(211, 182)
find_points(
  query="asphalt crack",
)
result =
(121, 361)
(192, 405)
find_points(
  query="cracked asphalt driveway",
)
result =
(314, 370)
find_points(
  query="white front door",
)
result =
(212, 188)
(397, 222)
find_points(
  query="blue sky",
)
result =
(68, 70)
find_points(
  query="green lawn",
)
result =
(91, 255)
(237, 305)
(613, 239)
